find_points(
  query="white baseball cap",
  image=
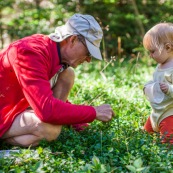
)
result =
(84, 25)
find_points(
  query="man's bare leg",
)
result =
(64, 84)
(27, 129)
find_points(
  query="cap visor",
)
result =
(94, 51)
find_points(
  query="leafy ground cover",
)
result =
(119, 146)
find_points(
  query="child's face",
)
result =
(160, 56)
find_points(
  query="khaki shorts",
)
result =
(53, 80)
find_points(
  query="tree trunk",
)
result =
(138, 20)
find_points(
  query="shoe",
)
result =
(80, 127)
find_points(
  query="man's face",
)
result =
(74, 52)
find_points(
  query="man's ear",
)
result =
(73, 39)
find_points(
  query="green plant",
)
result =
(117, 146)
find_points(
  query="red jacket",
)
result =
(26, 67)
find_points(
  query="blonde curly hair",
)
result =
(158, 36)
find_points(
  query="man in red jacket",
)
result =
(36, 78)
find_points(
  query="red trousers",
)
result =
(165, 128)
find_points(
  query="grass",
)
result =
(118, 146)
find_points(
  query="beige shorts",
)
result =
(53, 80)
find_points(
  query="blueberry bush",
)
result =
(118, 146)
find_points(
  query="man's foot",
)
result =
(80, 127)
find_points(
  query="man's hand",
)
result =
(104, 112)
(164, 87)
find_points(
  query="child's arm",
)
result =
(165, 87)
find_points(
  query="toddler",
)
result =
(159, 91)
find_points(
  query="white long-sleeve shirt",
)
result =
(162, 104)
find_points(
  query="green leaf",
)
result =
(95, 161)
(131, 168)
(40, 150)
(142, 169)
(138, 163)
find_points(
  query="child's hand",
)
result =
(164, 87)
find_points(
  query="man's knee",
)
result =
(64, 84)
(67, 76)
